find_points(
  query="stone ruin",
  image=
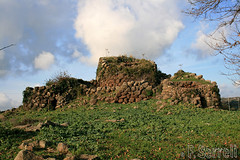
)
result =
(191, 88)
(114, 71)
(125, 80)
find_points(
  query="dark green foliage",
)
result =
(27, 93)
(26, 121)
(70, 88)
(161, 76)
(64, 84)
(58, 78)
(215, 89)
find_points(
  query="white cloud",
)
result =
(133, 27)
(80, 56)
(44, 60)
(201, 45)
(34, 26)
(207, 38)
(6, 102)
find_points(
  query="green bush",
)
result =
(161, 76)
(27, 93)
(65, 84)
(58, 78)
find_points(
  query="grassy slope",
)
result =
(143, 134)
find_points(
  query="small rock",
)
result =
(149, 88)
(42, 144)
(169, 113)
(192, 74)
(51, 150)
(160, 107)
(66, 124)
(28, 145)
(22, 126)
(176, 102)
(32, 128)
(27, 155)
(40, 125)
(199, 76)
(111, 120)
(135, 107)
(70, 158)
(93, 101)
(120, 101)
(88, 157)
(209, 81)
(51, 159)
(23, 145)
(158, 102)
(62, 148)
(138, 99)
(34, 143)
(91, 108)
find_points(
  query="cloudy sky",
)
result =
(50, 36)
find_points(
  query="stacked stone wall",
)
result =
(122, 87)
(47, 97)
(128, 92)
(114, 71)
(197, 93)
(54, 96)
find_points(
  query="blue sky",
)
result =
(59, 35)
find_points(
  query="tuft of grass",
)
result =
(190, 79)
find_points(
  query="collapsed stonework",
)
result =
(190, 88)
(55, 95)
(125, 80)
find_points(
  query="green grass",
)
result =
(144, 133)
(191, 80)
(186, 76)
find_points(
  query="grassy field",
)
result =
(117, 131)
